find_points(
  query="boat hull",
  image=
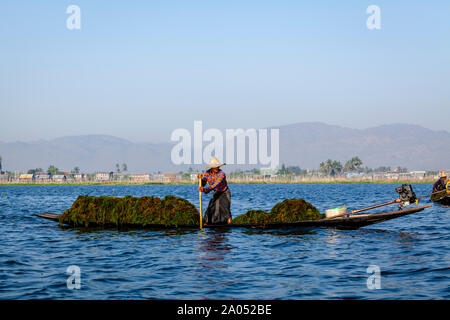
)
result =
(444, 201)
(442, 197)
(350, 222)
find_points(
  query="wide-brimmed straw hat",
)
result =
(443, 174)
(214, 163)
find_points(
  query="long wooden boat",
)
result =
(442, 197)
(348, 222)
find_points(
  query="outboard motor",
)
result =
(406, 194)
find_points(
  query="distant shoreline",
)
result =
(112, 183)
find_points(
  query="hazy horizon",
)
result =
(302, 144)
(167, 140)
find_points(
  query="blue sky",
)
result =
(140, 69)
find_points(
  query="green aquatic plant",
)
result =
(252, 217)
(292, 210)
(439, 195)
(171, 211)
(289, 210)
(144, 211)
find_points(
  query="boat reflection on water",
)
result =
(213, 247)
(301, 231)
(106, 232)
(215, 274)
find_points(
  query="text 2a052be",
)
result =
(238, 309)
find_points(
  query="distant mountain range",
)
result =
(404, 145)
(302, 144)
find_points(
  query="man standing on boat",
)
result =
(218, 211)
(441, 183)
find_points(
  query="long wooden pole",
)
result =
(375, 206)
(430, 194)
(200, 202)
(364, 209)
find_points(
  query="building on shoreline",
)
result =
(80, 176)
(59, 178)
(166, 177)
(140, 177)
(253, 176)
(104, 176)
(42, 177)
(28, 177)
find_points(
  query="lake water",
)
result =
(411, 252)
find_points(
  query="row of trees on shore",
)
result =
(52, 170)
(333, 167)
(329, 167)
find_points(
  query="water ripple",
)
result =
(411, 252)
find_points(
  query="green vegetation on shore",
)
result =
(327, 181)
(328, 172)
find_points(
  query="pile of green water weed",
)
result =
(143, 211)
(289, 210)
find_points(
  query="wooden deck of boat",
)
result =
(349, 222)
(49, 216)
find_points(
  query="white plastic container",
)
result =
(336, 211)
